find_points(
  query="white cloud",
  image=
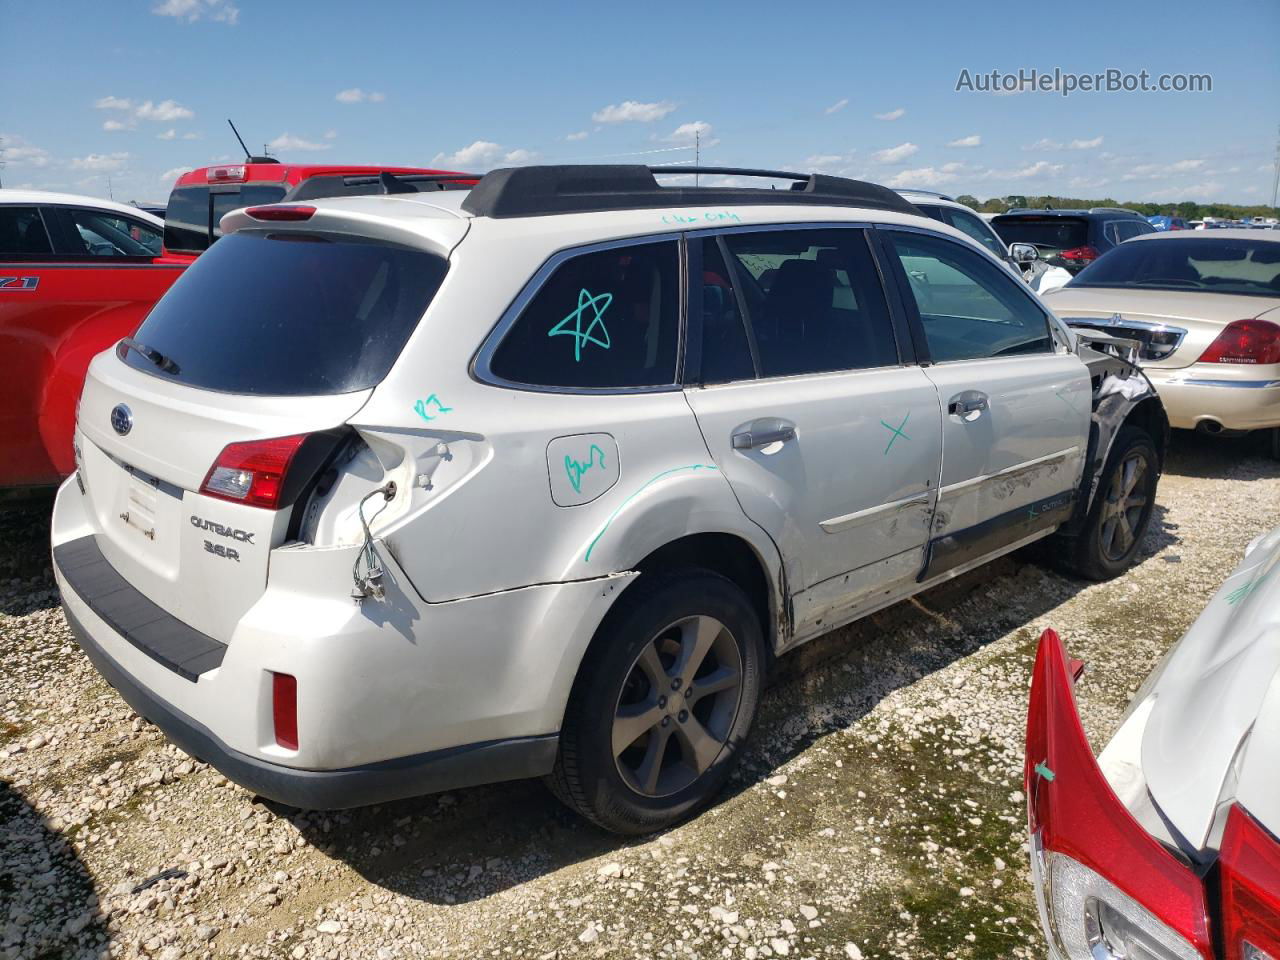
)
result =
(633, 111)
(114, 126)
(1087, 183)
(892, 114)
(331, 134)
(170, 134)
(837, 106)
(287, 141)
(356, 95)
(580, 135)
(688, 133)
(973, 140)
(191, 136)
(18, 151)
(220, 11)
(1038, 169)
(1044, 143)
(1202, 192)
(484, 155)
(100, 162)
(1085, 144)
(895, 154)
(1183, 166)
(1152, 171)
(169, 176)
(924, 176)
(113, 103)
(165, 111)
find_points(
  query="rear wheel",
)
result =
(663, 703)
(1121, 509)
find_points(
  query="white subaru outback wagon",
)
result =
(401, 493)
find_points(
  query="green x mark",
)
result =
(897, 431)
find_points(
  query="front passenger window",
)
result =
(969, 308)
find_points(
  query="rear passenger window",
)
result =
(608, 319)
(726, 353)
(969, 307)
(814, 301)
(22, 232)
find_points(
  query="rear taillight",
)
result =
(282, 211)
(1106, 888)
(225, 174)
(284, 709)
(1245, 341)
(252, 473)
(1249, 865)
(1080, 254)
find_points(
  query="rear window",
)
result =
(289, 314)
(192, 217)
(1046, 233)
(1212, 265)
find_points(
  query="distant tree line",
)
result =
(1188, 210)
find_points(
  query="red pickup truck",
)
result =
(79, 273)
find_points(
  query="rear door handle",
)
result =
(970, 401)
(763, 434)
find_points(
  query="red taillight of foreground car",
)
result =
(252, 473)
(1080, 255)
(1245, 341)
(1110, 887)
(1249, 869)
(282, 212)
(284, 709)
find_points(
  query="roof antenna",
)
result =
(240, 138)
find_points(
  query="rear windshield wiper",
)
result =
(155, 356)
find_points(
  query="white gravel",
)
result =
(879, 813)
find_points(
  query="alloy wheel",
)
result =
(677, 706)
(1124, 506)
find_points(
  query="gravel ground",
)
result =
(879, 812)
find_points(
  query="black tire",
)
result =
(1100, 551)
(1271, 445)
(650, 619)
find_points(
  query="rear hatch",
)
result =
(272, 333)
(1051, 235)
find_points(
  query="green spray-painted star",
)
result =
(598, 305)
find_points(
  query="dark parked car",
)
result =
(1071, 239)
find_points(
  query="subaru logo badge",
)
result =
(121, 419)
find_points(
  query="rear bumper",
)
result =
(449, 769)
(1205, 393)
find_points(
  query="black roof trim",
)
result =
(366, 184)
(589, 188)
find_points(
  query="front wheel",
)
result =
(1121, 510)
(663, 703)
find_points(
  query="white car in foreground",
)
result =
(393, 494)
(1205, 308)
(1166, 847)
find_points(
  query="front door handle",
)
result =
(968, 402)
(763, 434)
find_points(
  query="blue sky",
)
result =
(123, 95)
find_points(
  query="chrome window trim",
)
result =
(481, 369)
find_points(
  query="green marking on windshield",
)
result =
(598, 305)
(897, 431)
(576, 469)
(665, 473)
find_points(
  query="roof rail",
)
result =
(1114, 210)
(587, 188)
(928, 193)
(364, 184)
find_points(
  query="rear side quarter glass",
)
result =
(192, 216)
(22, 233)
(605, 319)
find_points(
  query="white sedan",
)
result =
(1166, 847)
(1205, 308)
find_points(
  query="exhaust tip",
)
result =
(1211, 427)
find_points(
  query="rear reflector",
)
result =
(282, 211)
(1245, 341)
(252, 473)
(284, 709)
